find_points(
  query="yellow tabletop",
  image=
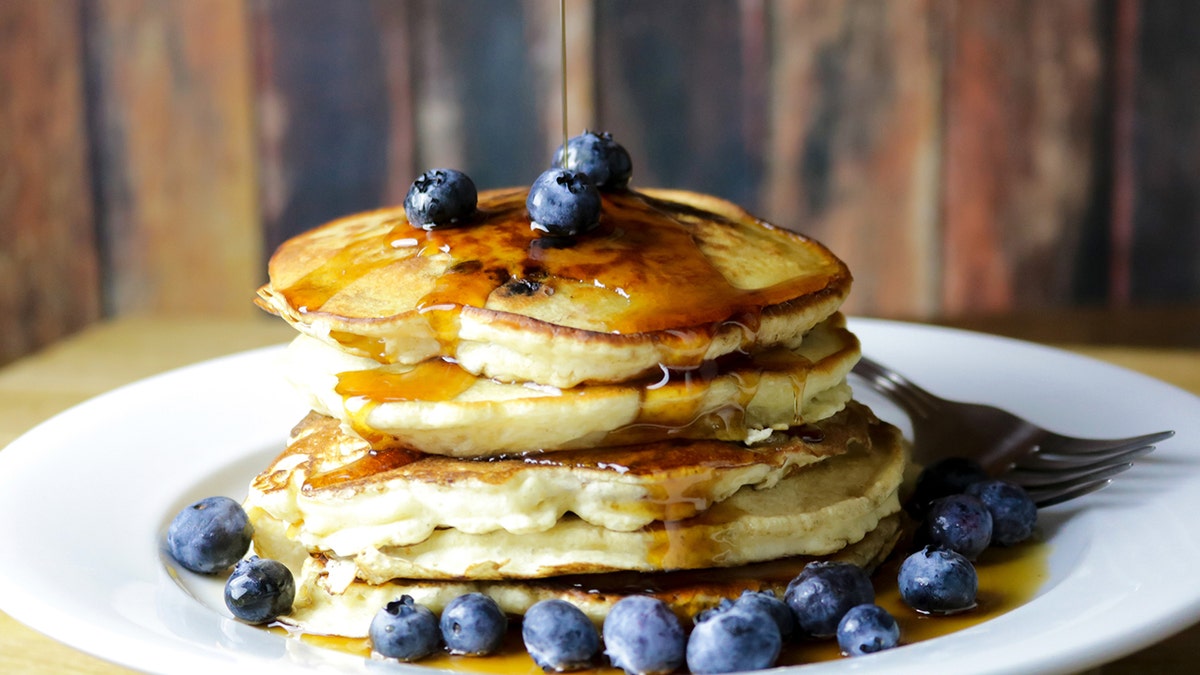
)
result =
(111, 354)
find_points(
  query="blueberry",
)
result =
(559, 636)
(822, 594)
(440, 197)
(944, 477)
(765, 601)
(704, 615)
(733, 640)
(404, 630)
(600, 157)
(259, 590)
(938, 581)
(642, 635)
(210, 535)
(1013, 512)
(562, 203)
(473, 624)
(867, 629)
(756, 601)
(960, 523)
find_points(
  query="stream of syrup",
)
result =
(562, 54)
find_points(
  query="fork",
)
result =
(1052, 467)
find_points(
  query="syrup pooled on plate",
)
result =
(1008, 578)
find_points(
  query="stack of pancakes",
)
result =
(657, 406)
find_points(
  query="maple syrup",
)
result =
(641, 270)
(562, 60)
(432, 380)
(373, 463)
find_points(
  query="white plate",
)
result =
(85, 499)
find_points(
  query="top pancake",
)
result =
(669, 278)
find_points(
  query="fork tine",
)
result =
(914, 399)
(1054, 480)
(1052, 497)
(883, 381)
(1059, 444)
(1050, 463)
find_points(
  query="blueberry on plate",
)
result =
(473, 624)
(867, 629)
(563, 203)
(440, 197)
(822, 594)
(404, 629)
(944, 477)
(960, 523)
(706, 614)
(642, 636)
(559, 636)
(599, 156)
(1014, 514)
(733, 640)
(210, 535)
(938, 581)
(765, 601)
(259, 590)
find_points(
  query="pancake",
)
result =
(337, 495)
(440, 408)
(669, 278)
(815, 510)
(328, 605)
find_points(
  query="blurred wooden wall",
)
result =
(966, 157)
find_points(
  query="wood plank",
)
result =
(49, 269)
(396, 46)
(479, 100)
(437, 90)
(545, 55)
(853, 143)
(173, 135)
(324, 109)
(1022, 109)
(1122, 173)
(671, 89)
(1165, 251)
(1161, 327)
(354, 100)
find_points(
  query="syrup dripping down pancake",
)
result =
(815, 510)
(437, 407)
(333, 493)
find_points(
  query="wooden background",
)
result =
(966, 157)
